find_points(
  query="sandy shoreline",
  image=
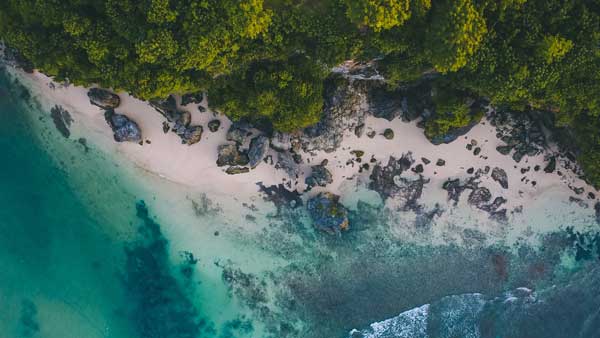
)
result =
(545, 206)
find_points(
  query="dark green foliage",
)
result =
(266, 58)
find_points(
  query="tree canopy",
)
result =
(268, 58)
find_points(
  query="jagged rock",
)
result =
(387, 181)
(476, 151)
(440, 162)
(62, 120)
(319, 176)
(479, 196)
(229, 154)
(124, 129)
(214, 125)
(281, 141)
(168, 108)
(371, 134)
(103, 98)
(418, 168)
(425, 160)
(551, 166)
(239, 132)
(499, 175)
(191, 135)
(258, 150)
(327, 213)
(285, 161)
(388, 134)
(521, 131)
(237, 170)
(454, 188)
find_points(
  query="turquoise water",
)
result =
(88, 249)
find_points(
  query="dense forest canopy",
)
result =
(268, 58)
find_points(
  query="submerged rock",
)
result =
(320, 176)
(229, 154)
(499, 175)
(124, 129)
(479, 196)
(62, 120)
(327, 213)
(103, 98)
(258, 150)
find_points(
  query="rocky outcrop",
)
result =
(103, 98)
(521, 132)
(327, 213)
(62, 120)
(230, 154)
(124, 129)
(286, 162)
(191, 135)
(281, 141)
(239, 132)
(259, 146)
(499, 175)
(319, 176)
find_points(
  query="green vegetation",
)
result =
(268, 58)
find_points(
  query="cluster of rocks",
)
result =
(62, 120)
(520, 132)
(319, 176)
(327, 213)
(179, 121)
(124, 129)
(238, 159)
(389, 182)
(480, 196)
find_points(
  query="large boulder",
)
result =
(191, 135)
(124, 129)
(230, 154)
(327, 213)
(320, 176)
(259, 146)
(103, 98)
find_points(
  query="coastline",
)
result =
(531, 209)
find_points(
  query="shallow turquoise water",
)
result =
(83, 256)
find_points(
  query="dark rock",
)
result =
(259, 146)
(551, 166)
(357, 153)
(168, 108)
(359, 130)
(103, 98)
(191, 135)
(238, 132)
(591, 195)
(440, 162)
(297, 158)
(327, 213)
(470, 170)
(192, 98)
(214, 125)
(371, 134)
(479, 196)
(454, 189)
(518, 156)
(124, 129)
(237, 170)
(229, 154)
(476, 151)
(499, 175)
(285, 162)
(469, 147)
(418, 168)
(387, 181)
(320, 176)
(388, 134)
(62, 120)
(504, 150)
(425, 160)
(578, 190)
(165, 127)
